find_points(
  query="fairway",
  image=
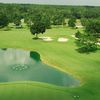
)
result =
(59, 55)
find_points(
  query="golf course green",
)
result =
(59, 56)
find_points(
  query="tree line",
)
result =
(40, 17)
(55, 14)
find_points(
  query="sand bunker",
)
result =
(46, 38)
(50, 39)
(62, 39)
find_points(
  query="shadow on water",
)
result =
(20, 65)
(35, 56)
(4, 48)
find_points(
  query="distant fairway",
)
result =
(63, 56)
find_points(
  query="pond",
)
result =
(21, 65)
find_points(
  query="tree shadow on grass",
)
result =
(85, 51)
(35, 38)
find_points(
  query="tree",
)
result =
(78, 34)
(17, 22)
(57, 19)
(76, 12)
(86, 42)
(93, 27)
(37, 28)
(36, 17)
(71, 22)
(46, 21)
(4, 21)
(84, 21)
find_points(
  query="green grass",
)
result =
(63, 56)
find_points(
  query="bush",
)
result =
(78, 34)
(71, 22)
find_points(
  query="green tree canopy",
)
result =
(4, 21)
(58, 19)
(78, 34)
(71, 22)
(86, 42)
(93, 27)
(46, 20)
(37, 28)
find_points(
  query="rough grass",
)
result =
(62, 56)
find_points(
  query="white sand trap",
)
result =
(46, 38)
(62, 39)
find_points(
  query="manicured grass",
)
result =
(62, 56)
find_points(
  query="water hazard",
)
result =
(21, 65)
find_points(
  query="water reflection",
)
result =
(4, 48)
(35, 56)
(20, 65)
